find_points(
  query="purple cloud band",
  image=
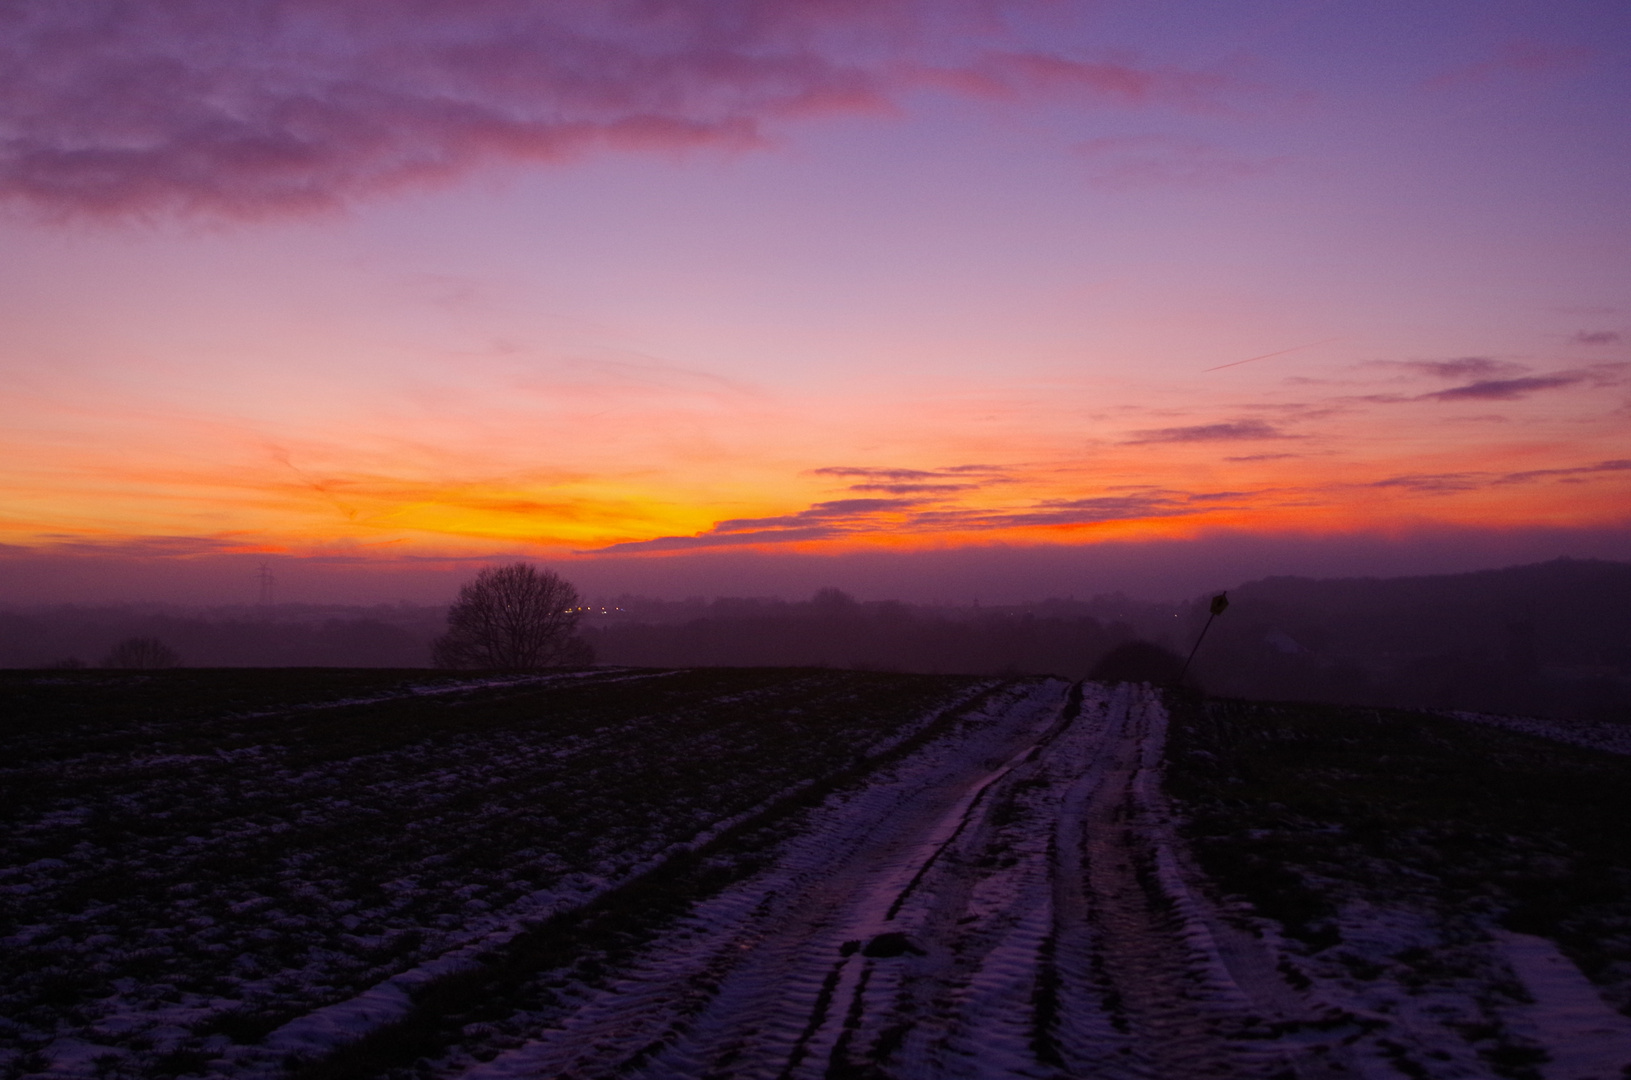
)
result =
(1444, 483)
(1463, 367)
(850, 517)
(906, 516)
(268, 107)
(1499, 380)
(1503, 389)
(887, 481)
(1230, 432)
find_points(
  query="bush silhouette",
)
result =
(142, 652)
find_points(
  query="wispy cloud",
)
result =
(1085, 511)
(265, 107)
(1504, 389)
(1435, 483)
(893, 481)
(1576, 473)
(836, 510)
(1452, 482)
(907, 517)
(1237, 431)
(1492, 380)
(1596, 337)
(1520, 57)
(883, 473)
(1461, 367)
(824, 520)
(1122, 162)
(913, 489)
(144, 547)
(1013, 75)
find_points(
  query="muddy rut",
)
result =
(1009, 901)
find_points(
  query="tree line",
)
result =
(1546, 639)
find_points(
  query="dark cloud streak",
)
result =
(1239, 430)
(892, 481)
(1463, 367)
(914, 489)
(1504, 389)
(1433, 483)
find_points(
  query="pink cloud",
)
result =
(1009, 76)
(1464, 367)
(1439, 483)
(1136, 161)
(1597, 375)
(1596, 337)
(1517, 58)
(1227, 432)
(888, 481)
(1503, 389)
(274, 107)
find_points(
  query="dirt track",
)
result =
(1006, 903)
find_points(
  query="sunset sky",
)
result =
(632, 288)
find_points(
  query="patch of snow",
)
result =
(390, 1001)
(1587, 1040)
(1282, 642)
(772, 944)
(1592, 734)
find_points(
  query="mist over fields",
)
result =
(1544, 639)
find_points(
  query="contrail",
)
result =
(1265, 356)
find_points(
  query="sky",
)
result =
(724, 297)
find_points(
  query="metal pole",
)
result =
(1219, 603)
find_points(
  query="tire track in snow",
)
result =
(392, 1002)
(1008, 901)
(1160, 996)
(766, 949)
(849, 1047)
(1179, 993)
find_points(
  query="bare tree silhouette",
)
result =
(515, 617)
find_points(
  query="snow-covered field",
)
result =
(1439, 887)
(799, 874)
(1595, 734)
(184, 891)
(1014, 900)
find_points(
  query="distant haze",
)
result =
(1548, 638)
(1170, 570)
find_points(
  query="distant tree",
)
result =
(831, 601)
(142, 652)
(514, 617)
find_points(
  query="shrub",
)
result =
(142, 652)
